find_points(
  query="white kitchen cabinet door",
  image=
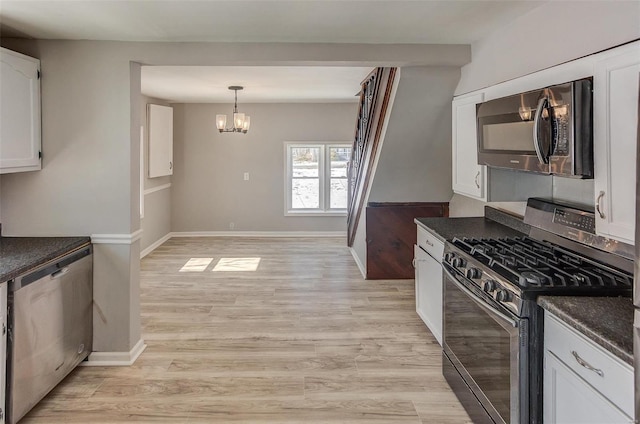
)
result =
(615, 125)
(160, 120)
(568, 399)
(20, 138)
(428, 280)
(469, 178)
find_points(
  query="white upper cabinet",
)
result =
(160, 120)
(469, 178)
(19, 112)
(615, 125)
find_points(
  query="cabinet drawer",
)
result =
(610, 376)
(430, 243)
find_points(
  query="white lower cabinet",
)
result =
(569, 399)
(428, 281)
(583, 383)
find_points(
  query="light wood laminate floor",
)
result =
(303, 339)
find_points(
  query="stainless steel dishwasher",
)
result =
(50, 327)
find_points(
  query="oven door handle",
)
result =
(479, 302)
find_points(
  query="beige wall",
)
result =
(208, 189)
(91, 116)
(415, 160)
(156, 222)
(91, 119)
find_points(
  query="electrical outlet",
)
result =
(232, 225)
(246, 176)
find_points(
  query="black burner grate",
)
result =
(533, 264)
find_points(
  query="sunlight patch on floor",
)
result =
(196, 265)
(237, 264)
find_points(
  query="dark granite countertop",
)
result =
(20, 254)
(448, 228)
(608, 321)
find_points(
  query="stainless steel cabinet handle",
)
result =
(477, 176)
(586, 364)
(413, 262)
(598, 200)
(428, 243)
(170, 165)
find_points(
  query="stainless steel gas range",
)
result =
(493, 328)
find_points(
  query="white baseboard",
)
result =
(363, 270)
(154, 245)
(260, 234)
(280, 234)
(115, 359)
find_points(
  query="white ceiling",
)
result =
(311, 21)
(295, 84)
(327, 21)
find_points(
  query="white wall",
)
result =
(415, 159)
(209, 191)
(554, 33)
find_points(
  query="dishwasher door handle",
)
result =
(60, 273)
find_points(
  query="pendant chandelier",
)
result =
(241, 122)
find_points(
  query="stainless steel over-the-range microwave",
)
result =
(548, 131)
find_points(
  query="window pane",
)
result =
(304, 161)
(339, 157)
(338, 195)
(305, 193)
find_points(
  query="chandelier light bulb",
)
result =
(247, 124)
(238, 120)
(221, 122)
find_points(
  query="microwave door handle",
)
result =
(536, 127)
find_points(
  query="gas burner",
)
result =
(534, 265)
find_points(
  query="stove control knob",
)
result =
(448, 257)
(458, 262)
(473, 273)
(503, 296)
(489, 286)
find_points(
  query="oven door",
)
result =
(485, 353)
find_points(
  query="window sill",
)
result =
(315, 213)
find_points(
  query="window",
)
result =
(316, 178)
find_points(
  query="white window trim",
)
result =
(324, 166)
